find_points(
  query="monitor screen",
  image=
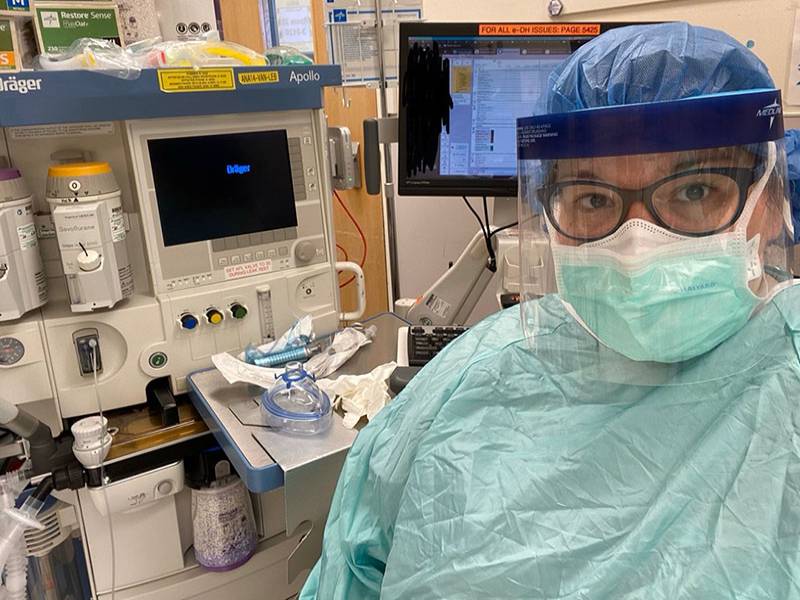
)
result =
(463, 86)
(216, 186)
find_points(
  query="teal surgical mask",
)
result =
(653, 295)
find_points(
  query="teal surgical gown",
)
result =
(501, 472)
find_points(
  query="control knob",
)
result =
(188, 321)
(92, 441)
(237, 310)
(304, 251)
(89, 260)
(214, 316)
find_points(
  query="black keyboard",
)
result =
(426, 342)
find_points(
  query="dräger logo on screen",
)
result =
(237, 169)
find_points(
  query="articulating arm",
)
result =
(40, 438)
(451, 299)
(46, 454)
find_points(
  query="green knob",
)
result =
(238, 311)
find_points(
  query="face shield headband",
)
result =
(734, 119)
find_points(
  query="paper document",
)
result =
(353, 41)
(235, 370)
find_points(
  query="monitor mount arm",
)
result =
(452, 298)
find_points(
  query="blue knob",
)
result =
(189, 321)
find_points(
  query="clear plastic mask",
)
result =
(296, 404)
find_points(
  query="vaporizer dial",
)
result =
(11, 351)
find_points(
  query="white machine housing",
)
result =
(276, 275)
(186, 19)
(91, 236)
(23, 285)
(269, 279)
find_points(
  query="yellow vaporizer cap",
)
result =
(80, 169)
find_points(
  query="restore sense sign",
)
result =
(58, 24)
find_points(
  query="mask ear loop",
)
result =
(755, 194)
(755, 266)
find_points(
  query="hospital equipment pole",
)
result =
(388, 188)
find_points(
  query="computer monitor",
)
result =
(462, 88)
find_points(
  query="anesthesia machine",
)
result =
(143, 230)
(164, 241)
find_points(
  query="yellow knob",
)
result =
(214, 316)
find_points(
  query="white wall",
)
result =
(432, 231)
(768, 23)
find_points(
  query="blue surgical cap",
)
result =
(656, 63)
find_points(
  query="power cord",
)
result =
(93, 346)
(488, 237)
(477, 216)
(488, 234)
(360, 233)
(503, 228)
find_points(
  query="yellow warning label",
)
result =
(195, 80)
(259, 77)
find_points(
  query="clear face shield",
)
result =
(663, 228)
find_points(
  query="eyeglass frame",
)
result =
(744, 177)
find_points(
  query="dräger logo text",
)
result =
(300, 78)
(237, 169)
(20, 86)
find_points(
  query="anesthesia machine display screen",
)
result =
(216, 186)
(463, 86)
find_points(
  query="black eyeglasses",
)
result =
(692, 203)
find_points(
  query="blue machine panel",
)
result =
(258, 478)
(45, 97)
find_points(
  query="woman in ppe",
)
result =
(634, 435)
